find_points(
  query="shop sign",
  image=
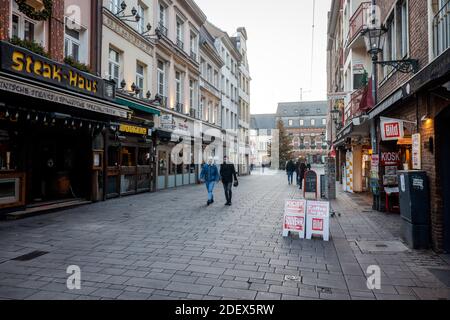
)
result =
(318, 219)
(375, 161)
(133, 129)
(23, 62)
(391, 129)
(61, 98)
(416, 152)
(390, 158)
(294, 217)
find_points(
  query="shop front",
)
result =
(51, 121)
(175, 151)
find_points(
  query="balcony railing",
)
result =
(180, 44)
(353, 108)
(179, 107)
(358, 21)
(441, 30)
(162, 28)
(193, 56)
(193, 113)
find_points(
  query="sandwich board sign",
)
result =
(318, 219)
(310, 187)
(294, 217)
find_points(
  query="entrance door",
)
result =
(163, 167)
(443, 146)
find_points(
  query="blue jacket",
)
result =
(209, 173)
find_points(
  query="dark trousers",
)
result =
(228, 187)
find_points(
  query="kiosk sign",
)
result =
(318, 219)
(294, 218)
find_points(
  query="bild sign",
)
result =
(23, 62)
(391, 129)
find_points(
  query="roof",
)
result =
(263, 121)
(304, 108)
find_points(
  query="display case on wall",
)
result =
(12, 190)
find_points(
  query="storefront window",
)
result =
(128, 183)
(113, 156)
(162, 163)
(128, 156)
(7, 154)
(143, 182)
(144, 157)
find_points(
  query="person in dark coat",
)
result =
(302, 171)
(290, 168)
(227, 174)
(210, 176)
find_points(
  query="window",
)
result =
(140, 78)
(324, 122)
(389, 48)
(191, 93)
(114, 6)
(178, 86)
(209, 73)
(72, 44)
(216, 78)
(163, 19)
(194, 45)
(180, 34)
(402, 28)
(114, 66)
(141, 25)
(302, 122)
(161, 76)
(291, 123)
(22, 28)
(313, 122)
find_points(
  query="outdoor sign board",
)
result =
(310, 184)
(318, 219)
(390, 158)
(25, 63)
(416, 152)
(391, 129)
(294, 217)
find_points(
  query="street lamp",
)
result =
(375, 39)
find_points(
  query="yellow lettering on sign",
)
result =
(89, 85)
(57, 73)
(133, 129)
(38, 68)
(29, 63)
(18, 63)
(73, 78)
(81, 82)
(47, 71)
(94, 86)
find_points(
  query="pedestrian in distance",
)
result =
(302, 171)
(229, 179)
(297, 173)
(290, 168)
(210, 176)
(308, 167)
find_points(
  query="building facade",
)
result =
(260, 140)
(406, 122)
(305, 123)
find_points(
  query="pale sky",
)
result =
(279, 46)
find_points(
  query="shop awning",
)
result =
(137, 106)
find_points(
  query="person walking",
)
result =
(290, 168)
(227, 174)
(302, 171)
(297, 172)
(210, 176)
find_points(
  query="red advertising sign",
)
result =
(390, 158)
(294, 217)
(294, 223)
(391, 129)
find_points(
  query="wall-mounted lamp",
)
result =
(134, 13)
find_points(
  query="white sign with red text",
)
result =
(318, 219)
(391, 129)
(294, 217)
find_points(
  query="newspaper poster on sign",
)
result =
(318, 219)
(294, 217)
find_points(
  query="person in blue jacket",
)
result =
(210, 176)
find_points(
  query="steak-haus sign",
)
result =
(23, 62)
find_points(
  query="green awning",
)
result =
(137, 106)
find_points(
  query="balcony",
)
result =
(352, 109)
(193, 56)
(163, 29)
(357, 22)
(180, 44)
(441, 30)
(193, 113)
(179, 107)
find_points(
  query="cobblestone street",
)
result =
(169, 245)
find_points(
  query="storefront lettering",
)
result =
(21, 61)
(390, 158)
(133, 129)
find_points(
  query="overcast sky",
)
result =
(279, 46)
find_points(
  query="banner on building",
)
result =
(391, 129)
(416, 152)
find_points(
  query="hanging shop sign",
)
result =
(391, 129)
(416, 152)
(29, 90)
(23, 62)
(133, 129)
(294, 217)
(390, 158)
(318, 219)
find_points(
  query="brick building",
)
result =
(417, 102)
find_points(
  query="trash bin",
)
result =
(415, 208)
